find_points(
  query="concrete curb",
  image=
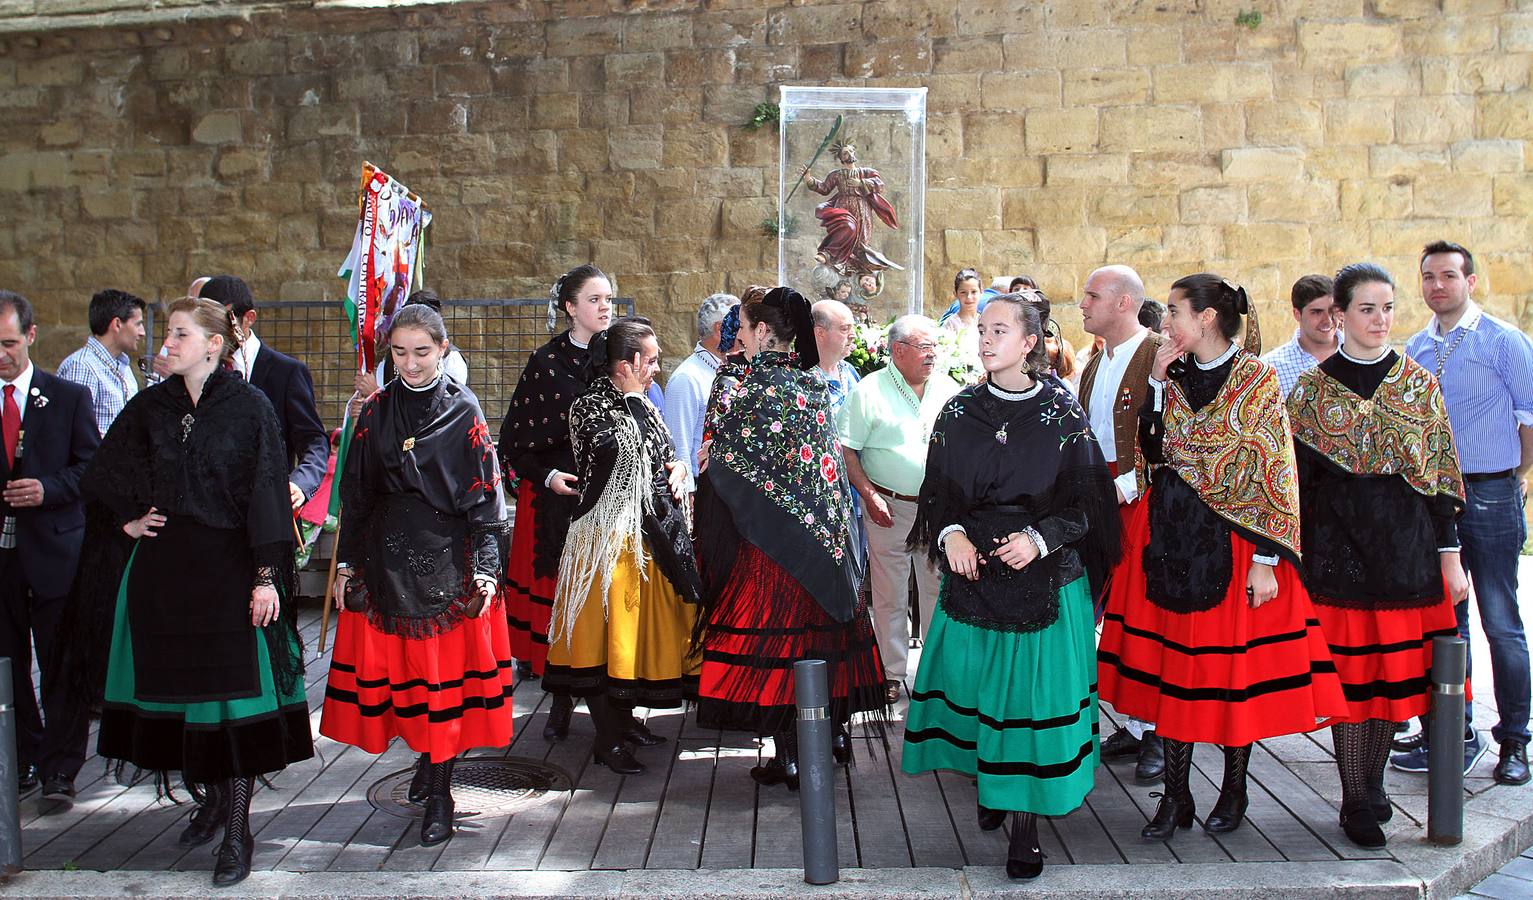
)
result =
(1497, 825)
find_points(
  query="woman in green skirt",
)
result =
(1019, 509)
(192, 566)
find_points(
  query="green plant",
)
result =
(1250, 18)
(764, 113)
(770, 226)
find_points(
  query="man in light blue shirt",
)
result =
(104, 365)
(1485, 367)
(686, 393)
(1317, 336)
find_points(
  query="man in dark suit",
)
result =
(49, 435)
(286, 382)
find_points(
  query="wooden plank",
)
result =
(1189, 845)
(678, 839)
(928, 825)
(1304, 804)
(1121, 820)
(339, 841)
(881, 837)
(1084, 838)
(291, 826)
(729, 839)
(477, 837)
(526, 837)
(1246, 843)
(846, 822)
(579, 833)
(636, 813)
(980, 848)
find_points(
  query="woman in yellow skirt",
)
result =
(628, 585)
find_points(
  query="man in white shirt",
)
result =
(1113, 388)
(686, 393)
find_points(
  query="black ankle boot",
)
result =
(233, 863)
(1383, 810)
(1230, 810)
(991, 819)
(638, 734)
(619, 759)
(1172, 813)
(420, 782)
(841, 746)
(437, 826)
(559, 712)
(1024, 858)
(210, 815)
(782, 768)
(1362, 826)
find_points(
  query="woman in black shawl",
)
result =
(535, 449)
(628, 584)
(775, 546)
(417, 653)
(1019, 510)
(192, 545)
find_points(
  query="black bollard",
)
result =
(817, 791)
(10, 771)
(1445, 750)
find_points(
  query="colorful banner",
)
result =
(385, 261)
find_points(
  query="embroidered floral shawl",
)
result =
(1403, 430)
(776, 463)
(1236, 452)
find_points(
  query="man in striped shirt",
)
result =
(104, 365)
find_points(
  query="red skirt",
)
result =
(443, 694)
(529, 599)
(1135, 520)
(1229, 675)
(1384, 656)
(764, 622)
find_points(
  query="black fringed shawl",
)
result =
(535, 439)
(220, 464)
(422, 506)
(622, 447)
(775, 478)
(1047, 473)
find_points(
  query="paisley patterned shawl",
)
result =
(1402, 430)
(776, 461)
(1236, 452)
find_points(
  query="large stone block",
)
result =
(1086, 245)
(1101, 169)
(1061, 130)
(1506, 116)
(1262, 164)
(968, 54)
(1299, 201)
(1152, 128)
(1350, 41)
(1083, 48)
(1106, 87)
(1434, 120)
(694, 147)
(1392, 160)
(1212, 205)
(1262, 241)
(1031, 206)
(1367, 199)
(1512, 195)
(1211, 82)
(1361, 121)
(1020, 90)
(1000, 17)
(1454, 197)
(1285, 124)
(885, 59)
(974, 207)
(1450, 37)
(963, 245)
(652, 32)
(585, 36)
(886, 19)
(1391, 79)
(1134, 206)
(814, 24)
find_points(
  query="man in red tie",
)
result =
(49, 435)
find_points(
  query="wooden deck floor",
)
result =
(697, 808)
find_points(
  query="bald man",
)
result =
(1113, 388)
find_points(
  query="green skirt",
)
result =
(209, 740)
(1017, 710)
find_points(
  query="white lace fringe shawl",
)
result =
(598, 539)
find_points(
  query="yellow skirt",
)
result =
(635, 650)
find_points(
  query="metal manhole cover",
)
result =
(480, 787)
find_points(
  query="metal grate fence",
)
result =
(494, 336)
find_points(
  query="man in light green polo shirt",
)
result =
(885, 426)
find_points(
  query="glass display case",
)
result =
(852, 195)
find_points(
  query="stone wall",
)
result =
(145, 143)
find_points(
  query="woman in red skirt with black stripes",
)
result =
(421, 650)
(535, 446)
(1217, 640)
(774, 543)
(1380, 489)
